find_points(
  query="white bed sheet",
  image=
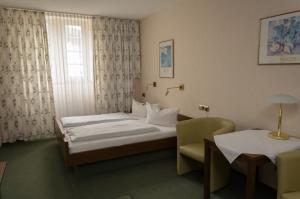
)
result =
(109, 130)
(164, 132)
(76, 121)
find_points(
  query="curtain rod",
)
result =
(58, 12)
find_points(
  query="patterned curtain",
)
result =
(26, 98)
(116, 62)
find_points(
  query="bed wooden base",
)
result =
(75, 159)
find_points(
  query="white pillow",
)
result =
(151, 107)
(138, 109)
(164, 117)
(155, 107)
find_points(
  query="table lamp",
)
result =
(281, 99)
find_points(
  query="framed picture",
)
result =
(280, 39)
(166, 59)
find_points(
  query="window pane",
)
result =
(74, 50)
(73, 45)
(73, 31)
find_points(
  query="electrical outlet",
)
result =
(203, 107)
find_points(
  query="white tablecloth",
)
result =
(253, 142)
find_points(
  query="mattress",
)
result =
(163, 132)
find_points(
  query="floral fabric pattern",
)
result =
(116, 62)
(26, 97)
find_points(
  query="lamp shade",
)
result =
(282, 99)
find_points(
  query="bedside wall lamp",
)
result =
(180, 87)
(281, 99)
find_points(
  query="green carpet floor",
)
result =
(36, 171)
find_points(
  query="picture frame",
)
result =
(280, 39)
(166, 59)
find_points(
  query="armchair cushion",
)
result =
(194, 151)
(292, 195)
(190, 147)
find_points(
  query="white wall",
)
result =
(216, 53)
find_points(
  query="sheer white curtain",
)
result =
(70, 43)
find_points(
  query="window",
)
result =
(74, 50)
(70, 42)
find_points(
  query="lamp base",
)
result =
(279, 136)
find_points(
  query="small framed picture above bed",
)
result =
(280, 39)
(166, 59)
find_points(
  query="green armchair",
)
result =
(288, 166)
(190, 147)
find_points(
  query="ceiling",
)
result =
(133, 9)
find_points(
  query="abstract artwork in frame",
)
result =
(280, 39)
(166, 59)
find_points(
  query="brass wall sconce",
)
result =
(180, 87)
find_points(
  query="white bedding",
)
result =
(94, 119)
(109, 130)
(160, 133)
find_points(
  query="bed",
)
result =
(89, 151)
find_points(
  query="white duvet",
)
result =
(68, 122)
(109, 130)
